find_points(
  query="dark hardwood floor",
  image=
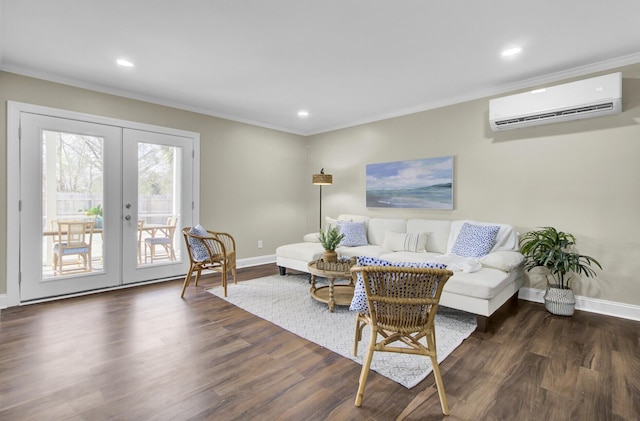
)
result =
(145, 354)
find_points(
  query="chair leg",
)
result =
(365, 368)
(360, 324)
(187, 279)
(235, 278)
(436, 373)
(224, 282)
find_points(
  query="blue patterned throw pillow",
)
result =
(359, 301)
(475, 240)
(355, 233)
(199, 250)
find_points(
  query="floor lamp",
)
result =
(322, 179)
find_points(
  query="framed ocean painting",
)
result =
(421, 183)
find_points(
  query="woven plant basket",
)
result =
(341, 265)
(559, 301)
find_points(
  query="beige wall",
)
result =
(252, 179)
(582, 177)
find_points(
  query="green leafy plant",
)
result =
(330, 239)
(555, 250)
(96, 210)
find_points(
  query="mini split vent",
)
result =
(586, 98)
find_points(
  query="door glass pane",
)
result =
(72, 204)
(158, 203)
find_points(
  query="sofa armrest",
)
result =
(503, 260)
(311, 238)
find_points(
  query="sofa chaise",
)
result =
(485, 257)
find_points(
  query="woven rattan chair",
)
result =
(402, 307)
(216, 251)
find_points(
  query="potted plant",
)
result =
(96, 212)
(555, 251)
(330, 239)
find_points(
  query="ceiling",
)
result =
(346, 62)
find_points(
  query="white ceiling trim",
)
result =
(483, 93)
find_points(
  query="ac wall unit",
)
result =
(585, 98)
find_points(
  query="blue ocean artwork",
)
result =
(423, 183)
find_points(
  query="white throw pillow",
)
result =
(405, 241)
(330, 223)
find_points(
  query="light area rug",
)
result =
(286, 301)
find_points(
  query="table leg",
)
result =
(313, 284)
(332, 302)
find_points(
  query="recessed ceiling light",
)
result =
(303, 113)
(124, 62)
(511, 51)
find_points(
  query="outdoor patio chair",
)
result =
(209, 250)
(160, 236)
(73, 238)
(402, 304)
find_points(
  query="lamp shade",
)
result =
(322, 179)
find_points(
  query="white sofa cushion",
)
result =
(306, 252)
(483, 284)
(355, 218)
(405, 241)
(454, 263)
(503, 260)
(378, 228)
(409, 256)
(437, 232)
(369, 251)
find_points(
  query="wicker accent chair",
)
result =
(216, 252)
(402, 307)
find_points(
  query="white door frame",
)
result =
(14, 109)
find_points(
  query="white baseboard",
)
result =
(592, 305)
(4, 303)
(255, 261)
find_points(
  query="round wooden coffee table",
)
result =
(332, 294)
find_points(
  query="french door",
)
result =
(127, 191)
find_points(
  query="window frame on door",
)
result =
(14, 110)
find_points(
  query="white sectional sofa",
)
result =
(480, 285)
